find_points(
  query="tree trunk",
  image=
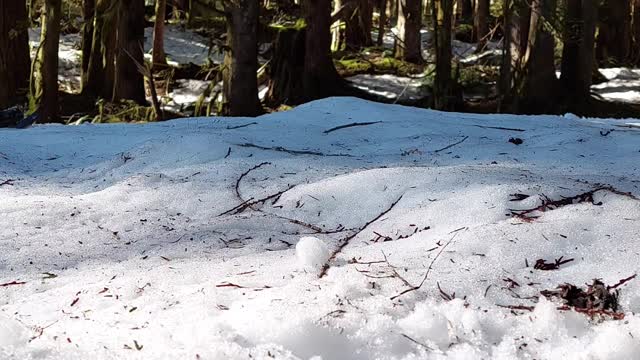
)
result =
(45, 87)
(408, 45)
(382, 22)
(240, 83)
(520, 17)
(88, 14)
(100, 76)
(159, 58)
(481, 23)
(614, 35)
(636, 33)
(537, 88)
(443, 87)
(286, 69)
(14, 52)
(577, 53)
(506, 76)
(465, 8)
(320, 76)
(358, 25)
(129, 82)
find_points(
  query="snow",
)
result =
(117, 232)
(312, 253)
(623, 85)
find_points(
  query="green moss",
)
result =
(299, 24)
(383, 64)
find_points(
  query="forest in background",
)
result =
(529, 56)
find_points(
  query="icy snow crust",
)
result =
(116, 231)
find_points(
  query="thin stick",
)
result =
(351, 125)
(452, 145)
(426, 276)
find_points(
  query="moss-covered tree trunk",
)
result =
(320, 76)
(614, 34)
(286, 69)
(481, 23)
(443, 86)
(538, 87)
(359, 24)
(129, 82)
(159, 57)
(578, 52)
(45, 81)
(240, 84)
(408, 44)
(14, 52)
(100, 75)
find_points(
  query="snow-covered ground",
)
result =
(116, 241)
(623, 85)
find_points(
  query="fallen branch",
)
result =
(622, 282)
(241, 126)
(452, 145)
(426, 275)
(7, 182)
(500, 128)
(250, 203)
(13, 283)
(289, 151)
(351, 125)
(541, 264)
(242, 176)
(549, 204)
(344, 242)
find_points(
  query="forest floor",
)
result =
(186, 47)
(177, 240)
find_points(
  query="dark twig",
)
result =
(452, 145)
(351, 125)
(289, 151)
(237, 187)
(241, 126)
(13, 283)
(622, 282)
(500, 128)
(416, 342)
(344, 242)
(541, 264)
(426, 275)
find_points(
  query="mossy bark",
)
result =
(44, 91)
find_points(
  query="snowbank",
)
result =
(177, 239)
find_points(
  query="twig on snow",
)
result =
(351, 125)
(347, 239)
(289, 151)
(452, 145)
(241, 126)
(426, 275)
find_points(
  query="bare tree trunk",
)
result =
(159, 58)
(88, 14)
(520, 17)
(614, 35)
(100, 76)
(636, 33)
(408, 45)
(538, 86)
(465, 8)
(506, 76)
(320, 76)
(45, 87)
(129, 82)
(481, 23)
(443, 87)
(577, 53)
(14, 52)
(240, 81)
(358, 25)
(382, 21)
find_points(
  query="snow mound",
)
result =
(185, 239)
